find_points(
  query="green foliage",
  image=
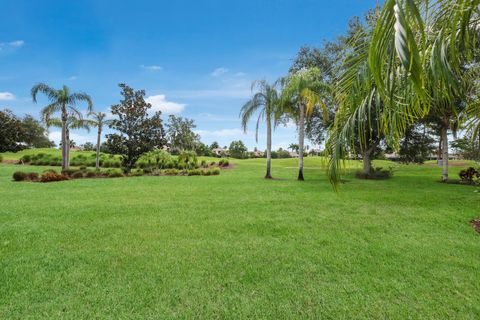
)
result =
(157, 158)
(470, 176)
(180, 134)
(416, 145)
(12, 133)
(19, 176)
(194, 172)
(467, 148)
(137, 172)
(214, 171)
(171, 172)
(137, 132)
(114, 173)
(187, 160)
(238, 150)
(223, 163)
(376, 174)
(88, 146)
(77, 174)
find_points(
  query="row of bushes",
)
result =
(44, 159)
(156, 159)
(52, 175)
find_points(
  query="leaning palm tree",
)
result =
(99, 121)
(302, 92)
(266, 102)
(62, 101)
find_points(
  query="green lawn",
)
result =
(237, 246)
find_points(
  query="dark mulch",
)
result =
(476, 224)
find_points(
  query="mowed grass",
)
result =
(236, 246)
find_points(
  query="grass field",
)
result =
(238, 246)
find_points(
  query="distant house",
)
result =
(220, 152)
(257, 154)
(293, 154)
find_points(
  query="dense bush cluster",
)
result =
(223, 163)
(376, 174)
(470, 176)
(44, 159)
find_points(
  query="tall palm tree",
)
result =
(302, 92)
(266, 102)
(62, 101)
(99, 121)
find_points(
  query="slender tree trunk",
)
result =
(64, 138)
(97, 160)
(67, 138)
(439, 150)
(301, 137)
(268, 175)
(444, 152)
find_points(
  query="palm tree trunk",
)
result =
(67, 138)
(367, 162)
(301, 137)
(64, 138)
(97, 160)
(444, 152)
(268, 175)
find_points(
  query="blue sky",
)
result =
(194, 58)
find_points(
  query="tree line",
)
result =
(402, 78)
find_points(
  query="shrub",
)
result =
(52, 177)
(49, 171)
(171, 172)
(68, 172)
(32, 176)
(223, 163)
(19, 176)
(194, 172)
(77, 174)
(376, 174)
(83, 168)
(206, 172)
(114, 173)
(25, 159)
(188, 159)
(1, 158)
(137, 172)
(203, 164)
(213, 163)
(215, 171)
(91, 174)
(470, 175)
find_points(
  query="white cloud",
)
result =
(72, 78)
(151, 68)
(219, 72)
(160, 103)
(220, 133)
(6, 96)
(11, 45)
(240, 74)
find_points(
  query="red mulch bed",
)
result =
(476, 224)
